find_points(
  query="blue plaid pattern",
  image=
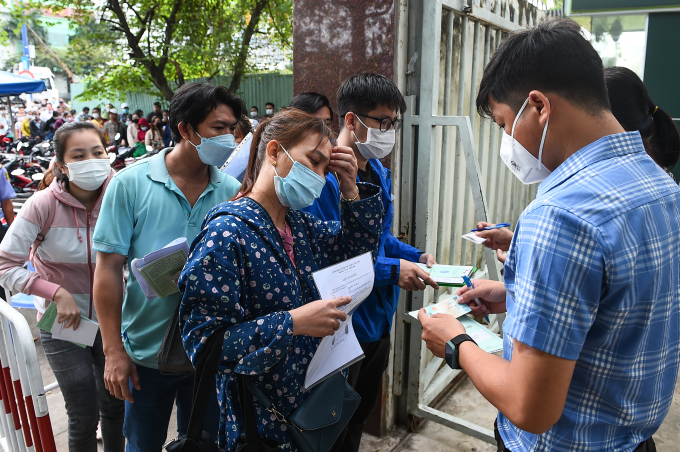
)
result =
(593, 275)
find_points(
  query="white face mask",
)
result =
(95, 115)
(269, 111)
(89, 174)
(378, 144)
(527, 168)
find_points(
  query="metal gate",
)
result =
(450, 175)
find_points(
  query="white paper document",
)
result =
(471, 236)
(157, 272)
(85, 334)
(353, 277)
(448, 306)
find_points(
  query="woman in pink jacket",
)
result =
(55, 228)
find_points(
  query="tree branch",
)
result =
(240, 63)
(276, 27)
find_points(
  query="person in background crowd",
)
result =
(634, 110)
(157, 112)
(26, 125)
(167, 136)
(254, 113)
(315, 104)
(4, 123)
(47, 113)
(270, 108)
(105, 114)
(147, 206)
(139, 113)
(49, 125)
(7, 193)
(97, 119)
(243, 128)
(369, 106)
(166, 117)
(85, 115)
(125, 112)
(37, 127)
(114, 127)
(18, 123)
(153, 136)
(61, 121)
(64, 268)
(591, 346)
(73, 113)
(273, 312)
(133, 130)
(143, 130)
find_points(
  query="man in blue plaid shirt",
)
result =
(592, 280)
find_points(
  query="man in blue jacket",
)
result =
(368, 107)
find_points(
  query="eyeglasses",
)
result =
(385, 123)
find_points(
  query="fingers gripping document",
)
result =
(353, 277)
(158, 271)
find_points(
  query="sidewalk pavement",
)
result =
(464, 401)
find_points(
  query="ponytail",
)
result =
(288, 127)
(664, 143)
(635, 110)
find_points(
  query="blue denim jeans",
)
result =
(147, 419)
(80, 374)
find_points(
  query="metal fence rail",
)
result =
(24, 418)
(452, 176)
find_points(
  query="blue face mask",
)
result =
(216, 150)
(300, 188)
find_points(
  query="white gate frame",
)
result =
(427, 378)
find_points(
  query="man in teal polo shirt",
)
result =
(146, 206)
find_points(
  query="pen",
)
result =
(468, 283)
(496, 226)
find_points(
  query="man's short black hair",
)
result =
(364, 92)
(311, 103)
(270, 103)
(86, 108)
(255, 107)
(553, 57)
(193, 102)
(156, 104)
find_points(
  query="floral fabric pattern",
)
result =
(238, 276)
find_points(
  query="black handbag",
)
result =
(172, 358)
(196, 440)
(318, 422)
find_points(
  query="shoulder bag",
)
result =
(318, 422)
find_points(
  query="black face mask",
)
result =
(135, 121)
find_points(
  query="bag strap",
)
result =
(204, 382)
(50, 219)
(247, 410)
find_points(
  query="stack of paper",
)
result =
(82, 337)
(447, 275)
(354, 278)
(449, 306)
(157, 272)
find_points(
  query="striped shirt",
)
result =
(593, 275)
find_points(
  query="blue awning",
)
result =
(13, 85)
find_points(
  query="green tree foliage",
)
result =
(155, 45)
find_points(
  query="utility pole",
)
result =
(54, 55)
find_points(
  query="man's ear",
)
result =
(349, 121)
(540, 102)
(184, 130)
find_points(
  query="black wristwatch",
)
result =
(452, 350)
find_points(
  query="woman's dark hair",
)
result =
(553, 57)
(287, 127)
(193, 102)
(47, 179)
(635, 110)
(311, 103)
(244, 126)
(61, 137)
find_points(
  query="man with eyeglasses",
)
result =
(368, 107)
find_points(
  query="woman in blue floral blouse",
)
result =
(250, 269)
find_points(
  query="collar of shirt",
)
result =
(607, 147)
(158, 171)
